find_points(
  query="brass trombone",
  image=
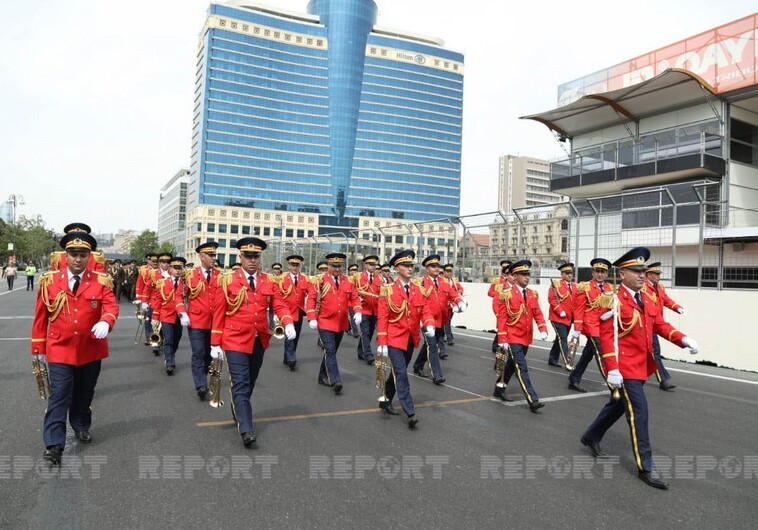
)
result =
(380, 376)
(141, 316)
(501, 356)
(39, 369)
(573, 346)
(214, 382)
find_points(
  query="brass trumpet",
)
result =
(214, 382)
(380, 376)
(141, 316)
(39, 369)
(573, 346)
(501, 356)
(155, 339)
(277, 330)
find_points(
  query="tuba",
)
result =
(214, 382)
(39, 369)
(277, 330)
(155, 339)
(501, 356)
(380, 376)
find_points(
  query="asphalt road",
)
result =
(160, 457)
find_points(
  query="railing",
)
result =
(652, 148)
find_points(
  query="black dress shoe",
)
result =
(370, 361)
(338, 388)
(292, 365)
(536, 405)
(451, 343)
(170, 370)
(438, 380)
(652, 481)
(387, 407)
(577, 387)
(248, 439)
(500, 394)
(322, 382)
(594, 448)
(421, 373)
(83, 436)
(156, 352)
(553, 363)
(201, 393)
(412, 422)
(666, 385)
(147, 343)
(443, 355)
(53, 455)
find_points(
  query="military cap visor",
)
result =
(336, 258)
(600, 264)
(566, 267)
(634, 259)
(404, 257)
(295, 259)
(372, 259)
(521, 267)
(178, 262)
(78, 241)
(251, 246)
(164, 257)
(432, 260)
(207, 248)
(654, 267)
(506, 263)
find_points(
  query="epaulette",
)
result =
(188, 275)
(55, 258)
(315, 279)
(385, 289)
(99, 256)
(46, 279)
(583, 286)
(224, 278)
(273, 278)
(496, 280)
(418, 281)
(159, 283)
(535, 293)
(105, 279)
(556, 283)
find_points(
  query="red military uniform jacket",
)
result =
(368, 292)
(659, 297)
(166, 301)
(635, 337)
(200, 297)
(294, 295)
(438, 297)
(560, 297)
(95, 263)
(587, 308)
(63, 321)
(400, 317)
(332, 313)
(515, 316)
(146, 278)
(240, 315)
(458, 288)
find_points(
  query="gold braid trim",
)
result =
(194, 292)
(557, 292)
(535, 294)
(625, 330)
(55, 259)
(105, 280)
(513, 316)
(505, 294)
(236, 302)
(604, 301)
(99, 256)
(419, 282)
(60, 301)
(583, 287)
(325, 287)
(401, 310)
(275, 279)
(286, 292)
(363, 290)
(651, 294)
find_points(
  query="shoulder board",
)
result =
(159, 283)
(55, 258)
(99, 256)
(535, 294)
(418, 281)
(496, 280)
(583, 286)
(105, 280)
(385, 290)
(556, 283)
(224, 278)
(188, 275)
(273, 278)
(46, 279)
(314, 279)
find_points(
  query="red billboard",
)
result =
(724, 57)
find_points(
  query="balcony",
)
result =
(661, 158)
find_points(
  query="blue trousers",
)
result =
(329, 372)
(591, 349)
(430, 352)
(449, 331)
(661, 373)
(398, 380)
(560, 344)
(172, 335)
(244, 369)
(516, 363)
(368, 326)
(633, 403)
(148, 320)
(290, 346)
(73, 388)
(200, 342)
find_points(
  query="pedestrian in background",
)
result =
(30, 270)
(10, 274)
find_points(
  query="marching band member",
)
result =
(147, 276)
(167, 303)
(294, 287)
(384, 270)
(626, 337)
(333, 294)
(240, 329)
(519, 308)
(96, 258)
(402, 309)
(498, 285)
(560, 298)
(456, 285)
(587, 311)
(657, 294)
(75, 311)
(355, 330)
(438, 295)
(200, 288)
(367, 284)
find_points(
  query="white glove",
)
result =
(100, 330)
(289, 332)
(461, 306)
(217, 352)
(682, 312)
(381, 350)
(41, 357)
(503, 345)
(615, 378)
(691, 344)
(607, 315)
(313, 324)
(154, 322)
(562, 314)
(144, 306)
(184, 319)
(543, 335)
(357, 319)
(576, 334)
(429, 330)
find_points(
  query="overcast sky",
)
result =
(96, 95)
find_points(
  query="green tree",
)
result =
(32, 241)
(146, 242)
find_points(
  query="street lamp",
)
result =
(14, 201)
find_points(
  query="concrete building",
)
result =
(172, 211)
(524, 181)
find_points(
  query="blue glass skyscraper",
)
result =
(325, 113)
